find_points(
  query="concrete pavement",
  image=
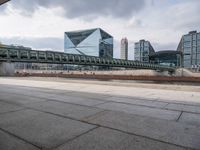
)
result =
(39, 114)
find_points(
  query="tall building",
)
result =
(124, 48)
(190, 48)
(143, 50)
(92, 42)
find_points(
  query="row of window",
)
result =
(189, 43)
(192, 37)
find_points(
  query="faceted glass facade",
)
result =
(93, 42)
(190, 48)
(142, 51)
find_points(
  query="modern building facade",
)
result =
(92, 42)
(189, 46)
(124, 49)
(166, 57)
(142, 51)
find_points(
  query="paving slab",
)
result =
(141, 110)
(20, 89)
(184, 107)
(136, 101)
(42, 129)
(65, 109)
(9, 142)
(107, 139)
(18, 99)
(163, 130)
(5, 107)
(96, 96)
(76, 100)
(82, 98)
(190, 118)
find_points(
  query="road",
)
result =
(64, 114)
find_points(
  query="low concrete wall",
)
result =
(140, 72)
(7, 69)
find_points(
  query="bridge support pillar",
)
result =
(7, 69)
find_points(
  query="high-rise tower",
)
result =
(143, 50)
(190, 48)
(124, 48)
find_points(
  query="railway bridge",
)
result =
(17, 54)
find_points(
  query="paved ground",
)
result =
(58, 114)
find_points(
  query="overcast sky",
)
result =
(41, 24)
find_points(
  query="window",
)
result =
(146, 44)
(187, 50)
(187, 63)
(187, 38)
(198, 56)
(186, 57)
(137, 45)
(198, 42)
(198, 36)
(198, 49)
(187, 44)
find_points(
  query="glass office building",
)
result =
(142, 51)
(190, 48)
(92, 42)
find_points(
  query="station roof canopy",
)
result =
(165, 53)
(3, 1)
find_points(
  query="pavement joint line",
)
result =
(179, 116)
(146, 137)
(12, 111)
(59, 115)
(57, 146)
(161, 108)
(72, 103)
(18, 137)
(191, 112)
(20, 105)
(55, 95)
(165, 106)
(101, 103)
(42, 89)
(37, 91)
(94, 106)
(95, 115)
(157, 100)
(11, 103)
(109, 95)
(98, 125)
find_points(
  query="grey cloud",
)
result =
(48, 43)
(84, 8)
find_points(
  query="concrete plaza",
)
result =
(64, 114)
